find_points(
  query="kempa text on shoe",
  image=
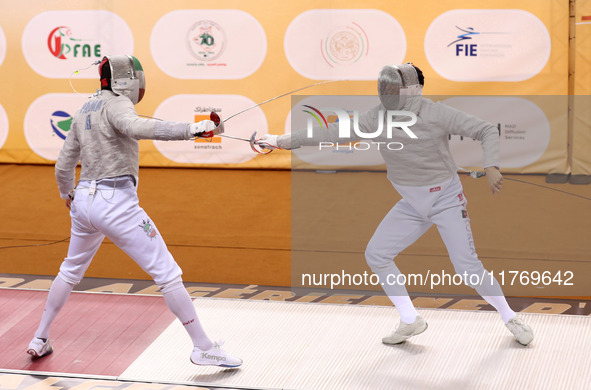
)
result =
(204, 355)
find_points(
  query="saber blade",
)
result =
(232, 137)
(280, 96)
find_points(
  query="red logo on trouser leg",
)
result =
(435, 189)
(461, 197)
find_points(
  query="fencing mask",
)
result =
(123, 75)
(400, 86)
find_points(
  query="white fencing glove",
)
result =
(196, 129)
(269, 141)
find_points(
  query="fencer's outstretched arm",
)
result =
(123, 117)
(109, 127)
(299, 138)
(302, 137)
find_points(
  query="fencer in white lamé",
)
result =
(104, 138)
(425, 175)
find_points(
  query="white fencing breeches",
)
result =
(99, 210)
(443, 205)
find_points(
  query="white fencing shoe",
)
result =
(523, 333)
(215, 356)
(38, 347)
(404, 331)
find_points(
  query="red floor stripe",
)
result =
(94, 334)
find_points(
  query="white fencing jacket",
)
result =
(104, 138)
(423, 161)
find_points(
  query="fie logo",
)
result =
(463, 48)
(469, 50)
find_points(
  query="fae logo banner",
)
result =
(487, 45)
(48, 121)
(208, 44)
(216, 150)
(3, 126)
(2, 45)
(523, 127)
(323, 44)
(57, 43)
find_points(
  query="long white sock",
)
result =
(397, 293)
(493, 295)
(405, 308)
(179, 302)
(58, 295)
(500, 303)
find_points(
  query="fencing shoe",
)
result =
(523, 333)
(215, 356)
(404, 331)
(38, 347)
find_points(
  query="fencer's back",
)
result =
(104, 150)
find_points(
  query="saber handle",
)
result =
(219, 130)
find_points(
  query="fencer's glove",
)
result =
(269, 141)
(197, 129)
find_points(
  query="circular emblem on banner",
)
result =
(206, 40)
(344, 45)
(61, 122)
(335, 44)
(188, 44)
(49, 120)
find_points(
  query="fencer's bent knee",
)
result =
(388, 268)
(473, 268)
(375, 259)
(474, 273)
(72, 274)
(71, 281)
(172, 285)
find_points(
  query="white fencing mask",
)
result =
(399, 86)
(123, 75)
